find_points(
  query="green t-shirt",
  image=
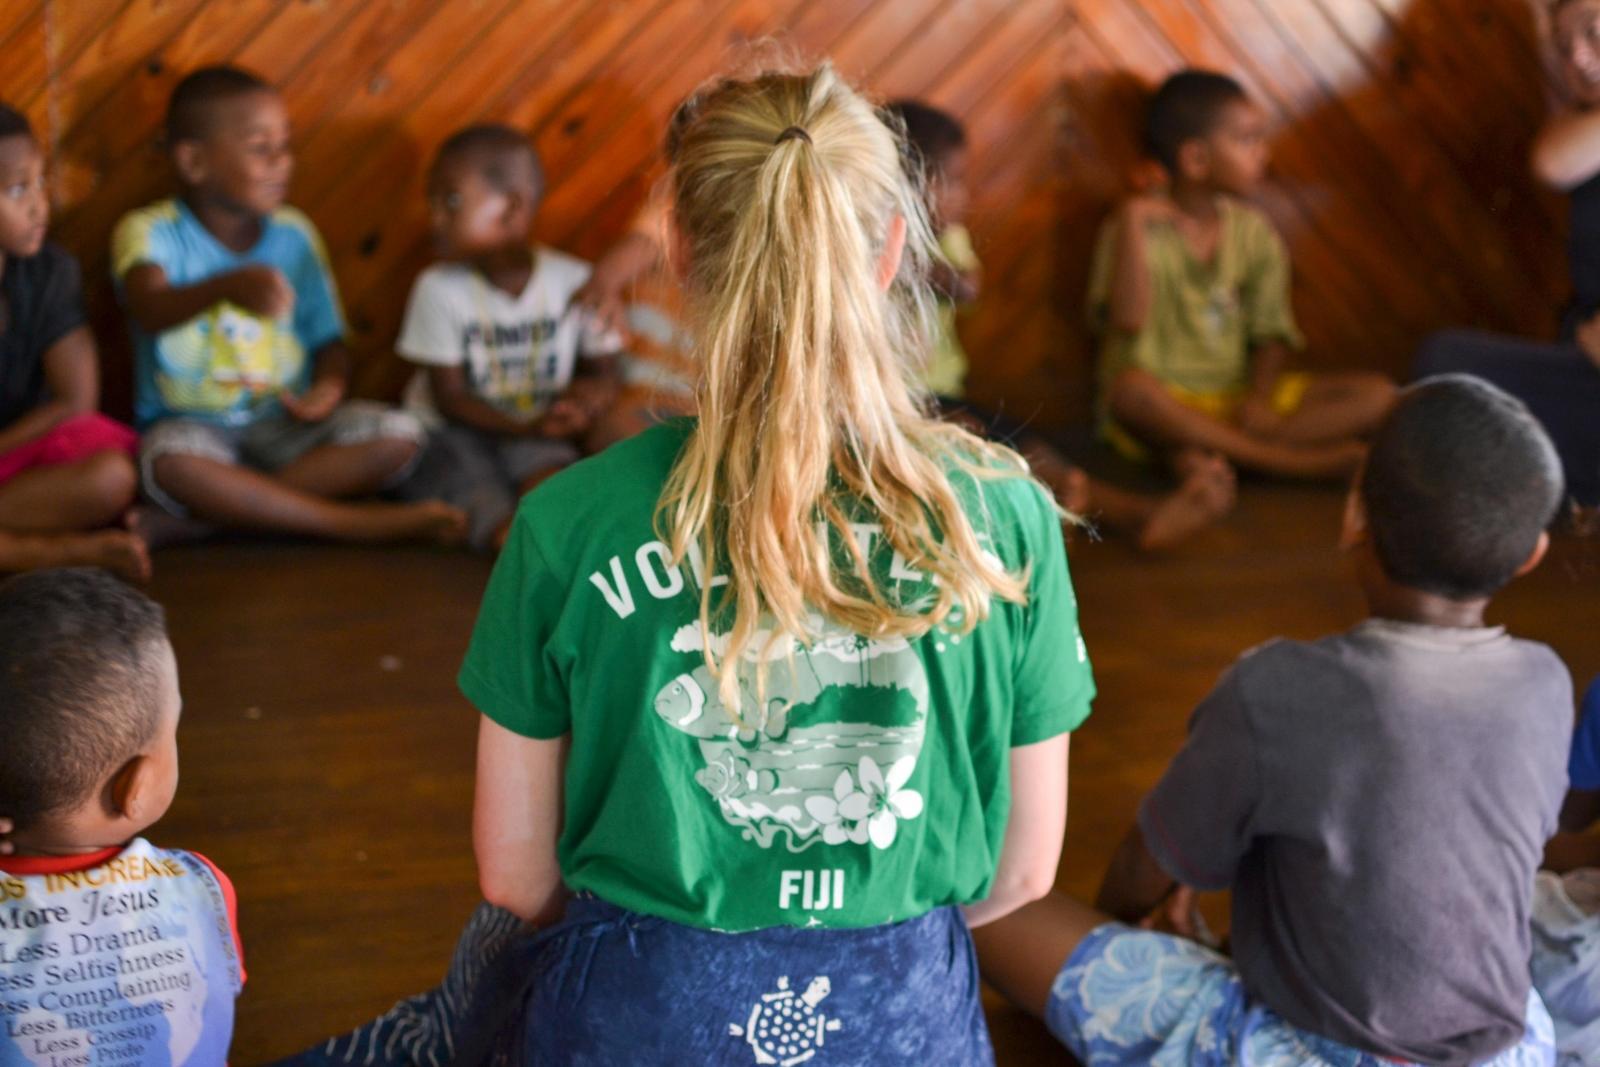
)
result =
(874, 785)
(1204, 317)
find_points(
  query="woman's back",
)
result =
(866, 785)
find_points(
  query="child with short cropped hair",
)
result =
(1190, 294)
(241, 363)
(1378, 801)
(66, 471)
(938, 144)
(516, 376)
(109, 946)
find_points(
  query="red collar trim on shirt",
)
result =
(58, 864)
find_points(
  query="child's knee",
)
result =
(111, 479)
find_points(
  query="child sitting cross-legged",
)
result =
(1377, 801)
(112, 950)
(938, 144)
(516, 374)
(66, 472)
(240, 358)
(1190, 293)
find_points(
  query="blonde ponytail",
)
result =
(785, 191)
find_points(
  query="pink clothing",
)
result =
(69, 441)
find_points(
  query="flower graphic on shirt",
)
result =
(874, 807)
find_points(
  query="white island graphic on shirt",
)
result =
(785, 769)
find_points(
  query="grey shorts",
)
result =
(482, 474)
(271, 442)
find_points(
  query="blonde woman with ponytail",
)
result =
(775, 701)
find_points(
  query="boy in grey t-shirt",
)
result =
(1377, 801)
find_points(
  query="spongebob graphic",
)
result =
(226, 359)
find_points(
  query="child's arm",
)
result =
(1566, 153)
(157, 305)
(1131, 288)
(328, 385)
(456, 401)
(72, 380)
(1267, 361)
(516, 821)
(1038, 821)
(1135, 883)
(1580, 810)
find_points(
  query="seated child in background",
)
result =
(66, 471)
(1566, 908)
(518, 378)
(939, 145)
(241, 363)
(1190, 293)
(113, 949)
(1376, 800)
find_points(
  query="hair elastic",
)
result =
(791, 132)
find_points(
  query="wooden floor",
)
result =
(328, 757)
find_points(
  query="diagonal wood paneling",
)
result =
(1402, 126)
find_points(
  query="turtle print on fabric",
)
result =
(785, 1028)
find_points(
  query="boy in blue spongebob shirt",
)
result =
(241, 367)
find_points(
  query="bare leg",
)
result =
(1337, 407)
(90, 493)
(339, 471)
(1140, 402)
(119, 551)
(1021, 954)
(230, 495)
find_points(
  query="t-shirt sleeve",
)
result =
(1583, 766)
(1268, 311)
(1198, 820)
(61, 303)
(141, 237)
(431, 332)
(318, 316)
(230, 900)
(1054, 682)
(511, 673)
(1100, 270)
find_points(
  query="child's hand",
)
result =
(1257, 417)
(1179, 914)
(565, 418)
(316, 403)
(263, 290)
(6, 827)
(601, 296)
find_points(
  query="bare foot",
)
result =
(1205, 496)
(159, 528)
(430, 521)
(118, 551)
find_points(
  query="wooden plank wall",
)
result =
(1402, 128)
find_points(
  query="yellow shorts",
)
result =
(1287, 396)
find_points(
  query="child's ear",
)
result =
(190, 160)
(1540, 547)
(1194, 159)
(131, 790)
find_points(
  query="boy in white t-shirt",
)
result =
(512, 378)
